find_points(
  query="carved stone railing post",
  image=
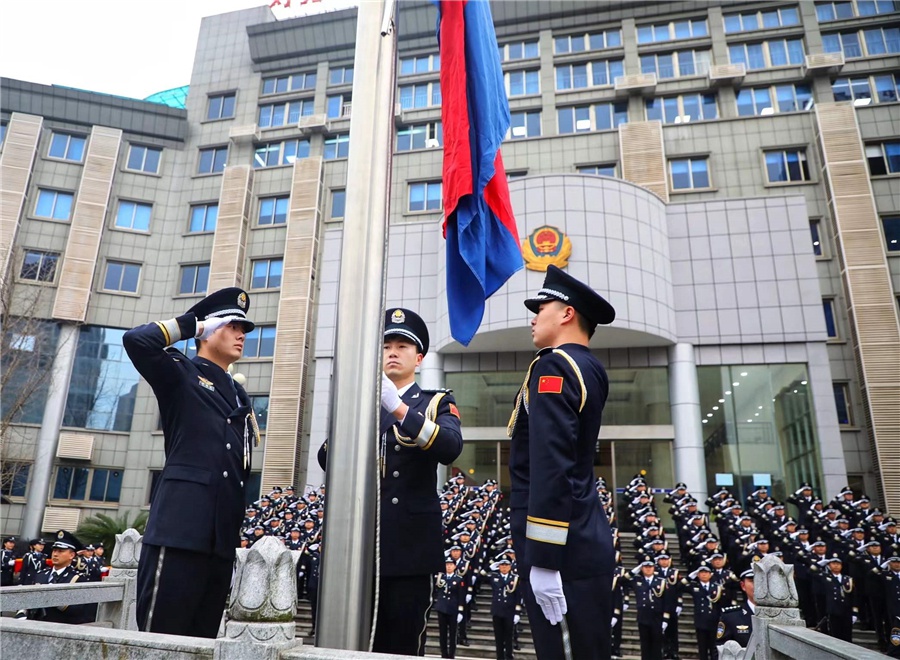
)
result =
(262, 605)
(123, 568)
(731, 650)
(776, 603)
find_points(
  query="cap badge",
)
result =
(61, 534)
(242, 300)
(398, 316)
(546, 246)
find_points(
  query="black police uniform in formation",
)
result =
(7, 563)
(73, 614)
(411, 536)
(707, 600)
(195, 515)
(736, 623)
(32, 563)
(892, 607)
(449, 598)
(504, 609)
(649, 599)
(557, 520)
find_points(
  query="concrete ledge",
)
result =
(313, 653)
(801, 643)
(54, 595)
(39, 639)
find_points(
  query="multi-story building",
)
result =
(726, 173)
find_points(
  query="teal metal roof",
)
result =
(174, 98)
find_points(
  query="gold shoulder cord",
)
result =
(577, 371)
(430, 415)
(521, 399)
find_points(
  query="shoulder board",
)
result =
(732, 608)
(436, 390)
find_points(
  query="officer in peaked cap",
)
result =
(63, 554)
(559, 527)
(210, 430)
(736, 622)
(7, 561)
(419, 429)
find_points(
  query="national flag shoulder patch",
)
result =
(454, 411)
(550, 385)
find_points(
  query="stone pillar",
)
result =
(431, 377)
(124, 565)
(684, 392)
(263, 604)
(48, 437)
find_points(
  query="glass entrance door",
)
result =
(629, 457)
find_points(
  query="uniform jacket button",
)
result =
(229, 421)
(395, 501)
(228, 445)
(396, 474)
(242, 484)
(396, 447)
(225, 474)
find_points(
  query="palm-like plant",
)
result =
(101, 528)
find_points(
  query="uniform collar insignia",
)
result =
(206, 383)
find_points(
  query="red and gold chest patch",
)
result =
(550, 385)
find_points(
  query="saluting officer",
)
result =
(62, 555)
(210, 428)
(559, 528)
(419, 429)
(449, 593)
(707, 597)
(736, 622)
(649, 599)
(505, 608)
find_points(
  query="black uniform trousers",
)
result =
(181, 592)
(313, 595)
(403, 605)
(706, 643)
(588, 602)
(503, 637)
(841, 626)
(617, 636)
(670, 638)
(447, 627)
(651, 637)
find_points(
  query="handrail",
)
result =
(55, 595)
(799, 642)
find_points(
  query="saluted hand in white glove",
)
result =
(207, 328)
(548, 592)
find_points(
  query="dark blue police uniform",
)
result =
(449, 599)
(504, 608)
(735, 623)
(196, 512)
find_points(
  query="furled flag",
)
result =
(482, 240)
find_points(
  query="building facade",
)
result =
(726, 173)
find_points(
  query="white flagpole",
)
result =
(348, 566)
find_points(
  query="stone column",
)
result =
(48, 437)
(124, 565)
(431, 373)
(263, 604)
(684, 392)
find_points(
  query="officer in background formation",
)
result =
(310, 570)
(33, 562)
(505, 607)
(449, 603)
(63, 571)
(736, 622)
(7, 561)
(649, 598)
(891, 575)
(708, 598)
(210, 429)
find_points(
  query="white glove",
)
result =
(468, 598)
(12, 562)
(516, 620)
(678, 610)
(390, 398)
(548, 592)
(665, 625)
(855, 619)
(625, 607)
(614, 622)
(211, 325)
(459, 618)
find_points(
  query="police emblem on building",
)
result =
(546, 246)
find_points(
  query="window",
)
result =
(689, 173)
(121, 276)
(842, 403)
(283, 114)
(54, 204)
(815, 230)
(289, 83)
(2, 133)
(419, 64)
(143, 159)
(682, 109)
(598, 117)
(837, 11)
(675, 64)
(103, 385)
(883, 88)
(830, 318)
(425, 196)
(761, 20)
(787, 166)
(87, 484)
(133, 215)
(589, 74)
(517, 174)
(203, 218)
(338, 106)
(260, 342)
(421, 95)
(212, 160)
(524, 124)
(273, 154)
(891, 227)
(189, 348)
(522, 83)
(337, 146)
(272, 211)
(194, 279)
(39, 266)
(266, 273)
(766, 54)
(15, 479)
(577, 43)
(29, 346)
(883, 158)
(769, 100)
(598, 170)
(519, 50)
(420, 136)
(220, 106)
(338, 202)
(687, 29)
(865, 43)
(342, 75)
(260, 404)
(67, 147)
